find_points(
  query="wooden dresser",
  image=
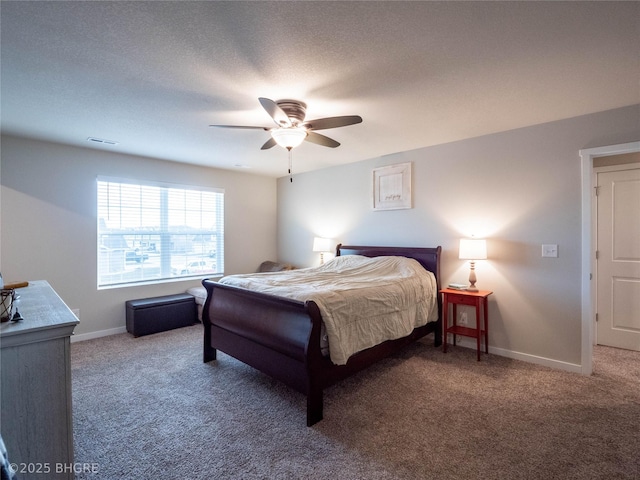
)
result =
(36, 421)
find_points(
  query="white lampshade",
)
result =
(289, 137)
(472, 249)
(321, 244)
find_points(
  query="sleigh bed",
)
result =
(282, 337)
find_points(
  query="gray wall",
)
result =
(519, 189)
(48, 216)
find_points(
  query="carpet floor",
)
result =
(148, 408)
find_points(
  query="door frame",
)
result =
(588, 254)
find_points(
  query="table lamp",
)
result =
(472, 249)
(321, 245)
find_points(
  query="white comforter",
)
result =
(364, 301)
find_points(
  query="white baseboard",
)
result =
(101, 333)
(525, 357)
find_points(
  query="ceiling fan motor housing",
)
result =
(292, 129)
(294, 109)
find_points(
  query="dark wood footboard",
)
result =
(281, 337)
(278, 336)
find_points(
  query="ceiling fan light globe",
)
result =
(289, 137)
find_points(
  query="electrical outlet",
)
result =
(463, 318)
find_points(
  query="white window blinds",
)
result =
(149, 232)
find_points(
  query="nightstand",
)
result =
(474, 299)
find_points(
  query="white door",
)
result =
(618, 258)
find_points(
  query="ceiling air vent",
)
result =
(101, 140)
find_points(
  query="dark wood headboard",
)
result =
(429, 258)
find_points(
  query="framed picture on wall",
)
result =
(392, 187)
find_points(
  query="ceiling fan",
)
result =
(291, 128)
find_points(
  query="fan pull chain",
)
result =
(290, 164)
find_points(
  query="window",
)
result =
(150, 232)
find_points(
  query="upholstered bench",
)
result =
(158, 314)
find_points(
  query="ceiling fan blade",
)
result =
(268, 144)
(275, 112)
(241, 126)
(321, 140)
(332, 122)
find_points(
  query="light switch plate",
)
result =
(549, 250)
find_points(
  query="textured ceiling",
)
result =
(153, 75)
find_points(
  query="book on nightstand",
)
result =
(457, 286)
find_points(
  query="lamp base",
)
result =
(472, 278)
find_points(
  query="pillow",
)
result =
(200, 294)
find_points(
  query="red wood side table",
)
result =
(464, 297)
